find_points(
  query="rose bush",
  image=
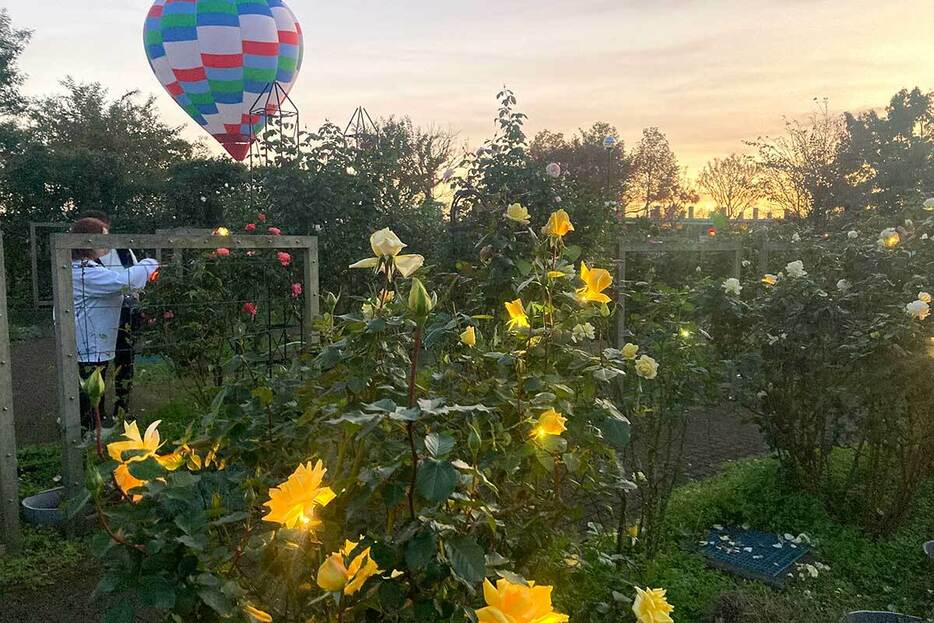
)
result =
(418, 450)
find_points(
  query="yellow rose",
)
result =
(332, 574)
(558, 225)
(924, 296)
(769, 279)
(518, 213)
(650, 606)
(295, 502)
(518, 603)
(595, 282)
(469, 337)
(550, 423)
(646, 367)
(518, 319)
(387, 246)
(630, 350)
(385, 243)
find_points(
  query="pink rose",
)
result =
(250, 308)
(296, 290)
(275, 231)
(250, 227)
(222, 252)
(284, 258)
(168, 315)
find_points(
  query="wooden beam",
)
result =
(12, 535)
(661, 246)
(311, 293)
(168, 241)
(66, 363)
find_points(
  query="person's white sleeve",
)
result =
(98, 281)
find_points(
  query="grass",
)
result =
(890, 573)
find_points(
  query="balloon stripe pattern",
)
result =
(219, 58)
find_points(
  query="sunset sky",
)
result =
(709, 73)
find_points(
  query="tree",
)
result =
(655, 179)
(732, 182)
(800, 171)
(888, 158)
(12, 44)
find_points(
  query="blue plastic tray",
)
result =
(751, 554)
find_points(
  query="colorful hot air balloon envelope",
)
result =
(219, 59)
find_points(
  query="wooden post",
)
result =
(764, 255)
(12, 536)
(33, 251)
(69, 410)
(690, 212)
(738, 261)
(621, 295)
(310, 289)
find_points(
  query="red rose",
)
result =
(284, 258)
(275, 231)
(250, 227)
(296, 290)
(222, 252)
(249, 308)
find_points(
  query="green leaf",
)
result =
(157, 593)
(436, 480)
(420, 550)
(263, 394)
(466, 558)
(616, 430)
(147, 470)
(121, 613)
(391, 596)
(572, 252)
(217, 601)
(438, 445)
(524, 267)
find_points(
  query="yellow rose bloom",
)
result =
(630, 350)
(294, 502)
(518, 213)
(558, 225)
(646, 367)
(518, 603)
(595, 282)
(924, 296)
(386, 245)
(769, 279)
(469, 337)
(550, 423)
(518, 319)
(221, 231)
(147, 444)
(334, 575)
(650, 606)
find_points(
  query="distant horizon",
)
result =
(747, 67)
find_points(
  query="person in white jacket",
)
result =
(98, 299)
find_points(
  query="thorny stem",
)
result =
(114, 536)
(99, 426)
(410, 426)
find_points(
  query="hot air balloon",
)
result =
(219, 59)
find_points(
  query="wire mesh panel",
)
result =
(40, 247)
(214, 299)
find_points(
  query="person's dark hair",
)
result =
(86, 226)
(96, 214)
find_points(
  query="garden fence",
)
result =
(73, 451)
(11, 536)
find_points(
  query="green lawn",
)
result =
(863, 573)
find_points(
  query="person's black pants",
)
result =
(88, 419)
(123, 365)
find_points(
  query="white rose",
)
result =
(553, 170)
(731, 286)
(746, 263)
(385, 243)
(843, 285)
(852, 234)
(795, 237)
(929, 204)
(646, 367)
(924, 296)
(918, 310)
(795, 269)
(583, 332)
